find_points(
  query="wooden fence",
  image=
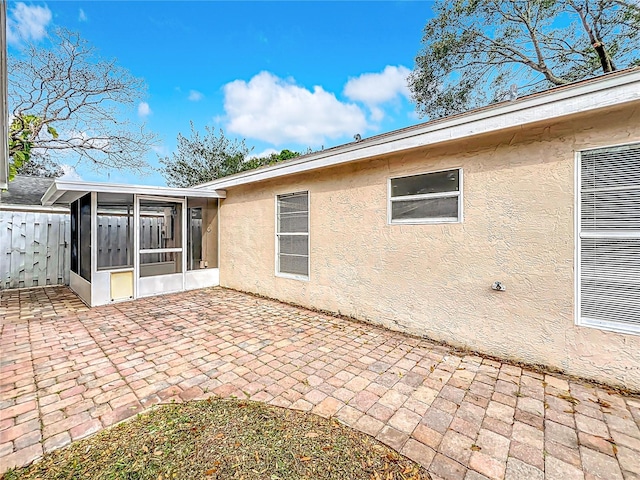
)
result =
(34, 248)
(34, 245)
(114, 238)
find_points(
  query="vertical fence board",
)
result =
(62, 274)
(17, 249)
(5, 252)
(33, 249)
(53, 259)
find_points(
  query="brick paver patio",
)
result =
(69, 371)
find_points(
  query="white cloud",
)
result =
(144, 109)
(264, 153)
(195, 96)
(82, 17)
(373, 89)
(27, 22)
(274, 110)
(160, 150)
(70, 172)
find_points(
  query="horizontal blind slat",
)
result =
(609, 246)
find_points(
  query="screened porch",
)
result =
(135, 241)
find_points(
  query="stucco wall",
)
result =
(434, 280)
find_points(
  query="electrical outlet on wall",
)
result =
(498, 286)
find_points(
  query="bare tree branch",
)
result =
(89, 103)
(474, 49)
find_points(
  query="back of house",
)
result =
(512, 230)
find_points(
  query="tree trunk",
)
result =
(605, 59)
(596, 43)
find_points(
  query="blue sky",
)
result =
(285, 74)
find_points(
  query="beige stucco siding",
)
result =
(435, 280)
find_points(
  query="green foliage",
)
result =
(473, 50)
(22, 133)
(200, 159)
(256, 162)
(39, 166)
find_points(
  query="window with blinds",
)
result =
(292, 235)
(426, 198)
(609, 239)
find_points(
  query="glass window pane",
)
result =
(293, 217)
(293, 223)
(438, 182)
(194, 239)
(74, 236)
(294, 265)
(430, 208)
(160, 224)
(85, 237)
(293, 202)
(152, 264)
(294, 244)
(114, 231)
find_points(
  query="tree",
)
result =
(21, 145)
(473, 50)
(65, 103)
(201, 159)
(256, 162)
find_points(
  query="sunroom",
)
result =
(131, 241)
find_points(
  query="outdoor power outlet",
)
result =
(498, 286)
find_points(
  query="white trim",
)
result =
(136, 245)
(427, 220)
(617, 327)
(114, 269)
(293, 276)
(610, 145)
(94, 238)
(577, 225)
(602, 92)
(59, 188)
(82, 288)
(202, 278)
(610, 326)
(161, 198)
(624, 234)
(161, 250)
(183, 242)
(425, 196)
(33, 208)
(139, 289)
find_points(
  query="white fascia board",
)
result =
(32, 208)
(608, 91)
(59, 187)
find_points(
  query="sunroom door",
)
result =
(161, 239)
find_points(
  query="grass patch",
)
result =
(225, 439)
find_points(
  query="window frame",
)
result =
(130, 220)
(278, 273)
(605, 325)
(427, 220)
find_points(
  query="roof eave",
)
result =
(79, 188)
(611, 90)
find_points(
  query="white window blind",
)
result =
(426, 198)
(292, 235)
(609, 239)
